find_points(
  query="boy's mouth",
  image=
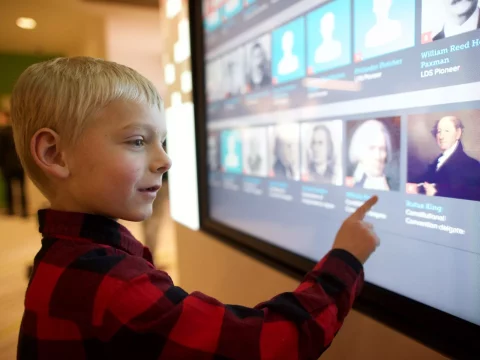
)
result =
(150, 189)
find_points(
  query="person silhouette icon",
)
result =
(289, 62)
(330, 49)
(385, 29)
(232, 161)
(231, 6)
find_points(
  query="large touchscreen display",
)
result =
(313, 106)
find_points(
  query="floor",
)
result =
(20, 241)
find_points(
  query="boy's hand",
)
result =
(356, 236)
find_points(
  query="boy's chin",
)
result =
(136, 215)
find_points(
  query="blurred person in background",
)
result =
(11, 168)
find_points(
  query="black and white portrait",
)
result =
(255, 151)
(284, 141)
(258, 57)
(446, 18)
(321, 148)
(213, 79)
(213, 151)
(233, 79)
(373, 154)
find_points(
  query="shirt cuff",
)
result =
(348, 258)
(344, 267)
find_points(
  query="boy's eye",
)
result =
(138, 142)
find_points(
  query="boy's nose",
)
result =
(160, 161)
(163, 165)
(168, 165)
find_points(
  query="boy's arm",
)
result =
(162, 321)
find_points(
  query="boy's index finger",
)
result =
(359, 214)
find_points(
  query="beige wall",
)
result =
(93, 40)
(214, 268)
(133, 38)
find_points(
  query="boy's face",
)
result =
(117, 166)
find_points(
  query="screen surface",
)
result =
(313, 106)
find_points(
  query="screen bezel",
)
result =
(447, 334)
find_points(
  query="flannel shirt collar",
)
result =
(87, 227)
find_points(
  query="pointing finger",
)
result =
(359, 214)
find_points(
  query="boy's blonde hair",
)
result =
(63, 94)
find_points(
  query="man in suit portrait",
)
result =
(461, 16)
(453, 173)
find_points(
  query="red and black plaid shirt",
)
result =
(95, 294)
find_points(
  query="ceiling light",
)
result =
(26, 23)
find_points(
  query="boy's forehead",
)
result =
(126, 113)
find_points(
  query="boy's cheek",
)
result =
(129, 173)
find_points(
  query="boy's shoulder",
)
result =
(83, 260)
(77, 262)
(80, 282)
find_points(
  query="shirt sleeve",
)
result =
(150, 318)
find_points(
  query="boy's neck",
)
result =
(75, 208)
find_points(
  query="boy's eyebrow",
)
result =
(148, 127)
(137, 126)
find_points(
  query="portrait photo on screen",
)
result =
(233, 79)
(373, 154)
(289, 52)
(258, 60)
(213, 78)
(321, 149)
(255, 151)
(328, 37)
(284, 144)
(231, 145)
(212, 14)
(443, 154)
(446, 18)
(383, 27)
(232, 8)
(213, 152)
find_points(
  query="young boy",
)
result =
(90, 134)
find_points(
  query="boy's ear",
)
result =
(47, 154)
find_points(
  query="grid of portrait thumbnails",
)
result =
(441, 156)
